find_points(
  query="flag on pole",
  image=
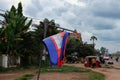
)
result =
(56, 45)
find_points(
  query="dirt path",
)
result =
(110, 74)
(14, 75)
(62, 76)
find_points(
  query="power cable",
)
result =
(34, 19)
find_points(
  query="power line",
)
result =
(40, 20)
(26, 16)
(2, 10)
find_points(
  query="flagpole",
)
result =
(39, 67)
(45, 31)
(58, 26)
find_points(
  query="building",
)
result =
(76, 35)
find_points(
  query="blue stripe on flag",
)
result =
(52, 51)
(63, 45)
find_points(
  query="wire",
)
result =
(26, 16)
(34, 19)
(2, 10)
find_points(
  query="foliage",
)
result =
(96, 76)
(17, 40)
(3, 69)
(103, 50)
(11, 69)
(14, 34)
(78, 46)
(29, 49)
(44, 29)
(93, 38)
(64, 69)
(73, 45)
(11, 33)
(68, 69)
(25, 77)
(87, 50)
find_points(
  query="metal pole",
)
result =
(58, 26)
(39, 68)
(45, 31)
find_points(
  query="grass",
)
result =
(96, 76)
(88, 73)
(64, 69)
(25, 77)
(2, 69)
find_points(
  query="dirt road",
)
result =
(110, 73)
(15, 75)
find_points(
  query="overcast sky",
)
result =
(100, 18)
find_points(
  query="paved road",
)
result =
(110, 73)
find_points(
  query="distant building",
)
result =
(76, 35)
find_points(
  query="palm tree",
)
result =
(93, 38)
(14, 27)
(44, 29)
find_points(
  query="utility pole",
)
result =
(45, 32)
(44, 36)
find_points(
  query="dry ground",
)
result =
(14, 75)
(110, 74)
(45, 76)
(63, 76)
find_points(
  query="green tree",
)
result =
(73, 45)
(93, 38)
(44, 29)
(77, 46)
(83, 49)
(29, 49)
(103, 50)
(86, 50)
(11, 34)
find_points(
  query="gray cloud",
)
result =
(3, 6)
(106, 8)
(110, 38)
(109, 35)
(104, 26)
(34, 8)
(98, 17)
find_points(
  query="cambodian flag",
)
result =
(56, 45)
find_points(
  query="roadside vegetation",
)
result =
(15, 30)
(96, 76)
(90, 75)
(83, 73)
(25, 77)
